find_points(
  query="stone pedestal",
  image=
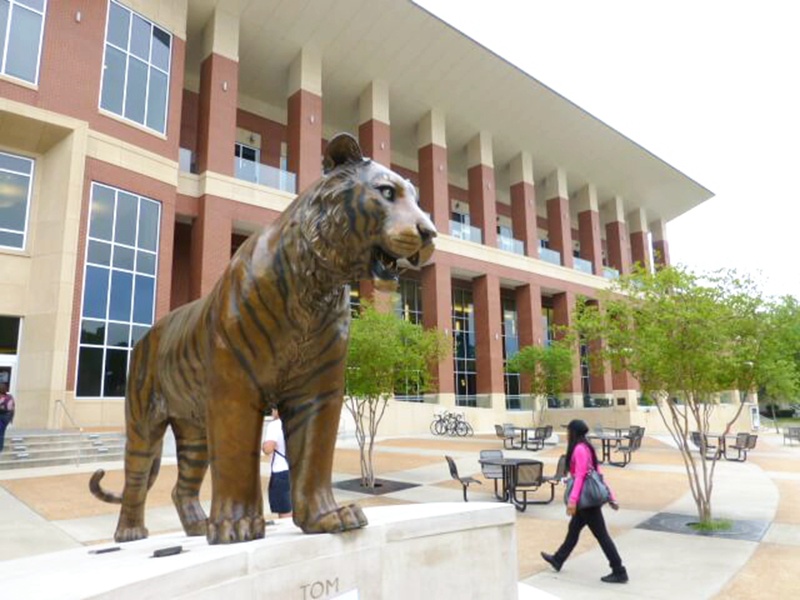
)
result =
(445, 550)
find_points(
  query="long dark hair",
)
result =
(576, 434)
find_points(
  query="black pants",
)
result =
(5, 420)
(593, 517)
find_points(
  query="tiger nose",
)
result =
(427, 231)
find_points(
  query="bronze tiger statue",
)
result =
(274, 329)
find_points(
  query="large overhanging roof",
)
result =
(428, 64)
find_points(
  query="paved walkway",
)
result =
(50, 509)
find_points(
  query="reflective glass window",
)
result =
(90, 371)
(464, 360)
(98, 253)
(114, 296)
(123, 258)
(21, 30)
(16, 177)
(136, 68)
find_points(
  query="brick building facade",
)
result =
(141, 141)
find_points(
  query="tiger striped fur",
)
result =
(273, 329)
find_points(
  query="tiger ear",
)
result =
(342, 149)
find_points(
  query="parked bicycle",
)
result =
(451, 423)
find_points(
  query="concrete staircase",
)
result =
(27, 449)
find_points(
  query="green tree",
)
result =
(783, 350)
(686, 338)
(548, 368)
(385, 354)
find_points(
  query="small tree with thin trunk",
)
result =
(686, 338)
(385, 352)
(783, 348)
(548, 368)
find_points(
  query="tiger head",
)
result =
(367, 218)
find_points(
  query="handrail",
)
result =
(75, 425)
(69, 416)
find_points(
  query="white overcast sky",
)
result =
(710, 86)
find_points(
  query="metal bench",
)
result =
(701, 442)
(792, 434)
(528, 478)
(506, 433)
(628, 445)
(540, 434)
(464, 481)
(493, 472)
(743, 443)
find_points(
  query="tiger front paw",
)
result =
(232, 531)
(130, 534)
(343, 518)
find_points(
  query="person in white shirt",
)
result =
(279, 490)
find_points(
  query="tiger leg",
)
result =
(310, 426)
(192, 450)
(142, 457)
(234, 434)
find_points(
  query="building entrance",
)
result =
(9, 344)
(8, 372)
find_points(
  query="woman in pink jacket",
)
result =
(581, 458)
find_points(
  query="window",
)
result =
(408, 306)
(459, 217)
(284, 164)
(247, 161)
(21, 28)
(510, 348)
(9, 335)
(136, 68)
(408, 303)
(586, 377)
(119, 287)
(548, 324)
(465, 365)
(354, 295)
(16, 175)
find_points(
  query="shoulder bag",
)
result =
(595, 492)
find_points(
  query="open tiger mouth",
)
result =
(384, 266)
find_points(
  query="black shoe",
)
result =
(618, 577)
(552, 560)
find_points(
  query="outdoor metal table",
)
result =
(605, 441)
(523, 437)
(509, 466)
(721, 443)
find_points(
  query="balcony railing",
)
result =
(186, 161)
(466, 232)
(246, 170)
(510, 245)
(581, 264)
(256, 172)
(610, 273)
(551, 256)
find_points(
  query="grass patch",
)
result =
(713, 525)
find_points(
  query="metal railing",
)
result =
(583, 265)
(256, 172)
(551, 256)
(466, 232)
(186, 162)
(510, 245)
(60, 402)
